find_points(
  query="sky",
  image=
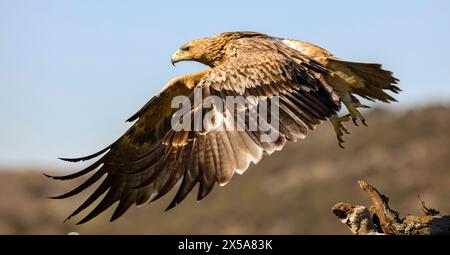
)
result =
(72, 72)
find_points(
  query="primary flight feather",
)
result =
(152, 157)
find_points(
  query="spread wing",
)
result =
(118, 162)
(152, 156)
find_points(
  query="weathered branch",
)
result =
(381, 219)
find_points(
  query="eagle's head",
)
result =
(204, 50)
(209, 51)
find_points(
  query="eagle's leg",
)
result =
(351, 102)
(354, 113)
(339, 128)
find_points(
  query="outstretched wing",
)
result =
(152, 157)
(119, 160)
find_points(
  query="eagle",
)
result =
(152, 157)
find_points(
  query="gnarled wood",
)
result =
(381, 219)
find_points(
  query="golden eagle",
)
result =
(151, 157)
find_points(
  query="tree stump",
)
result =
(379, 219)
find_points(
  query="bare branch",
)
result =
(381, 219)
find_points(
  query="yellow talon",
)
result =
(339, 128)
(355, 114)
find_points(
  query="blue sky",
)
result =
(71, 72)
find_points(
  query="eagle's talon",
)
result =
(364, 122)
(355, 114)
(339, 128)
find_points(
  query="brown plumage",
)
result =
(151, 157)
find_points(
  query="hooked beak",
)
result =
(175, 57)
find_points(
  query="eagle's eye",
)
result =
(186, 48)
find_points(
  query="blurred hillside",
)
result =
(290, 192)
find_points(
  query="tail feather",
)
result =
(376, 81)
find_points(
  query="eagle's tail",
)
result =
(377, 81)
